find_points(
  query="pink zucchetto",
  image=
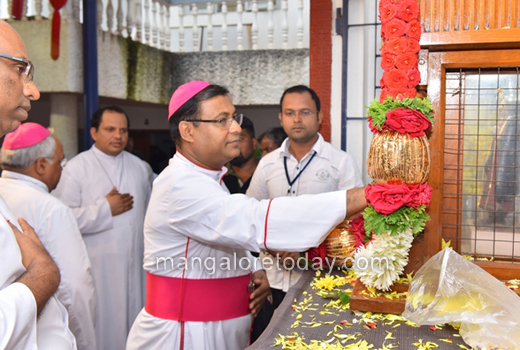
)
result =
(27, 135)
(184, 93)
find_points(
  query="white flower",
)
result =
(381, 262)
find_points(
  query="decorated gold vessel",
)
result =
(398, 157)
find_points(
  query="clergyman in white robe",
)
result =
(192, 215)
(114, 243)
(57, 229)
(19, 327)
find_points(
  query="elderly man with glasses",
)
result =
(30, 316)
(203, 285)
(32, 160)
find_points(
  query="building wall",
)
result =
(132, 71)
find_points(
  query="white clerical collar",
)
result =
(29, 180)
(216, 174)
(103, 155)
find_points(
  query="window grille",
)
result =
(481, 212)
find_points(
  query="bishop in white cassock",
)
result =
(28, 276)
(30, 172)
(193, 217)
(108, 190)
(19, 327)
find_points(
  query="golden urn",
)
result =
(340, 245)
(398, 157)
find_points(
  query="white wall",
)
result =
(362, 74)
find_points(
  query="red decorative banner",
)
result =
(56, 24)
(17, 9)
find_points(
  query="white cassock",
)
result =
(114, 243)
(56, 227)
(192, 215)
(19, 329)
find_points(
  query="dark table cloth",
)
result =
(405, 336)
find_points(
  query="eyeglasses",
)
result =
(63, 161)
(225, 123)
(302, 114)
(29, 67)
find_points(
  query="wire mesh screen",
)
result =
(481, 214)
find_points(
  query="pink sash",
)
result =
(197, 300)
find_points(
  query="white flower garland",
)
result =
(383, 260)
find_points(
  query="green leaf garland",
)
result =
(377, 110)
(397, 222)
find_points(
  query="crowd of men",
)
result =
(75, 237)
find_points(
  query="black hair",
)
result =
(191, 109)
(95, 121)
(277, 134)
(248, 126)
(301, 89)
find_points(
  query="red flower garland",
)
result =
(408, 121)
(408, 10)
(386, 198)
(357, 228)
(316, 256)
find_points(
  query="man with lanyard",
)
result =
(304, 164)
(108, 190)
(32, 160)
(197, 235)
(30, 316)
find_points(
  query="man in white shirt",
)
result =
(108, 190)
(28, 277)
(197, 234)
(31, 160)
(304, 164)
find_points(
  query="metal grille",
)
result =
(481, 212)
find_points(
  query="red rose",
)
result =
(413, 30)
(387, 12)
(413, 45)
(373, 128)
(421, 195)
(408, 121)
(393, 28)
(414, 77)
(406, 61)
(396, 94)
(408, 10)
(410, 93)
(394, 46)
(387, 198)
(384, 94)
(387, 61)
(383, 3)
(395, 79)
(357, 228)
(317, 255)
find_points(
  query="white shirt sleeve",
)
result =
(350, 176)
(92, 218)
(17, 317)
(76, 290)
(258, 186)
